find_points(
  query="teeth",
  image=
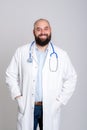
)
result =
(43, 36)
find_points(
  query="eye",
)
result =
(38, 29)
(46, 28)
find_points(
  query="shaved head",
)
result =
(40, 20)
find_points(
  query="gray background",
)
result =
(68, 19)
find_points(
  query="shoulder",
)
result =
(62, 54)
(21, 50)
(59, 50)
(23, 47)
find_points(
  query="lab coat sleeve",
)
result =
(69, 81)
(12, 75)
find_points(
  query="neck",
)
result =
(42, 48)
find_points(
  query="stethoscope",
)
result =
(53, 65)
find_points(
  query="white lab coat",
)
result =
(57, 86)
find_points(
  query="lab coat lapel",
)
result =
(34, 56)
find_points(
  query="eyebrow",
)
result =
(38, 27)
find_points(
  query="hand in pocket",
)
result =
(20, 104)
(56, 106)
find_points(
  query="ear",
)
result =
(33, 31)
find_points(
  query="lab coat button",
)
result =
(34, 80)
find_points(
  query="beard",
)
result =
(42, 42)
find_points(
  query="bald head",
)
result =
(41, 20)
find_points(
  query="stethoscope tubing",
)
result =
(30, 60)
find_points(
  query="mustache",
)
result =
(43, 35)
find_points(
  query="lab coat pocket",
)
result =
(55, 108)
(20, 105)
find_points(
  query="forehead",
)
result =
(41, 23)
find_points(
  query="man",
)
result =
(41, 78)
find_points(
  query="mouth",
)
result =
(43, 36)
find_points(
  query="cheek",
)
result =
(37, 34)
(48, 33)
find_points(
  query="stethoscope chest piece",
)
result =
(30, 60)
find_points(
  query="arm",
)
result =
(69, 81)
(12, 76)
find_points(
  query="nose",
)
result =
(42, 31)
